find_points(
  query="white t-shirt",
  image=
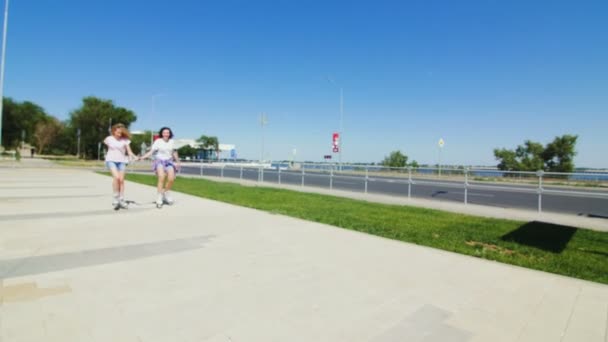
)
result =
(163, 149)
(117, 149)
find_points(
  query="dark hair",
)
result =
(160, 132)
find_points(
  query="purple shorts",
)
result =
(166, 164)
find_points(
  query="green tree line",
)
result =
(556, 156)
(27, 122)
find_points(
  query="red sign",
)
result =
(335, 142)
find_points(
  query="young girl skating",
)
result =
(166, 163)
(117, 159)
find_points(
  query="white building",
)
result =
(226, 151)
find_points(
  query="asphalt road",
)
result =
(574, 201)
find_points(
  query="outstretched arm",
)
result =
(148, 154)
(130, 152)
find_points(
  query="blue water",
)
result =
(475, 173)
(596, 177)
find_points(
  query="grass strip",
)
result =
(569, 251)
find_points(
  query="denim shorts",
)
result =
(116, 165)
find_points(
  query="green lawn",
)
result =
(569, 251)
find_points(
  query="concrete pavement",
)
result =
(72, 269)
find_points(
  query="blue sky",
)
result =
(479, 74)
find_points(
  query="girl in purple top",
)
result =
(117, 158)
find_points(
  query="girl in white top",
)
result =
(166, 162)
(117, 159)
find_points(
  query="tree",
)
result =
(93, 119)
(208, 143)
(556, 156)
(395, 159)
(508, 159)
(559, 154)
(187, 151)
(64, 142)
(530, 155)
(138, 139)
(46, 132)
(414, 164)
(20, 118)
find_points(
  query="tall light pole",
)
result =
(78, 137)
(440, 144)
(341, 128)
(263, 122)
(2, 66)
(154, 115)
(154, 103)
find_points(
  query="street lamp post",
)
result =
(263, 122)
(154, 115)
(440, 144)
(2, 65)
(78, 136)
(341, 128)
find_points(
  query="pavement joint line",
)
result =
(525, 326)
(606, 334)
(578, 294)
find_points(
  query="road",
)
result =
(583, 202)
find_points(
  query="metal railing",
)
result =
(592, 185)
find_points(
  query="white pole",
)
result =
(341, 128)
(153, 116)
(439, 162)
(78, 151)
(341, 125)
(263, 122)
(2, 65)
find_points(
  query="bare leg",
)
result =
(170, 178)
(161, 179)
(121, 183)
(115, 181)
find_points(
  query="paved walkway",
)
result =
(72, 269)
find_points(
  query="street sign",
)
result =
(335, 142)
(327, 156)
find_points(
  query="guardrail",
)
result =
(538, 183)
